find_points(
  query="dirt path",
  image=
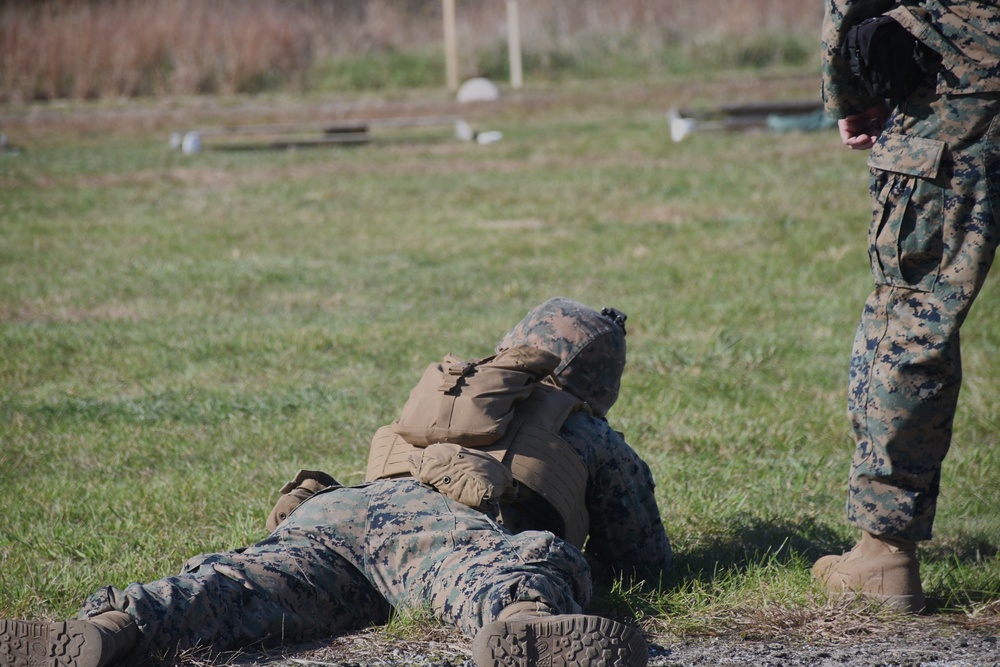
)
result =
(953, 649)
(61, 122)
(926, 642)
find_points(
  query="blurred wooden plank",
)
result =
(289, 135)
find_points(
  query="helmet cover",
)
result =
(591, 345)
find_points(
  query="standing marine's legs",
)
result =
(933, 237)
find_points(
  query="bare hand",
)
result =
(859, 131)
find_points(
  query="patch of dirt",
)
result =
(59, 121)
(922, 642)
(896, 648)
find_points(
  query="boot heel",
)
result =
(45, 644)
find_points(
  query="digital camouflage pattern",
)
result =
(347, 556)
(966, 34)
(338, 564)
(591, 345)
(626, 532)
(935, 187)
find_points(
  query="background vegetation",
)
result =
(113, 48)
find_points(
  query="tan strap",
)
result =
(388, 456)
(557, 473)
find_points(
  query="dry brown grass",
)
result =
(87, 49)
(830, 625)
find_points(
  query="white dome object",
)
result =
(478, 90)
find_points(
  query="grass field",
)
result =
(180, 334)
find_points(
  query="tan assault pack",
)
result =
(471, 403)
(503, 408)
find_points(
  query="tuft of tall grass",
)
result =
(80, 49)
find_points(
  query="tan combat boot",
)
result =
(96, 642)
(878, 567)
(534, 638)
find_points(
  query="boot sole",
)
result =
(45, 644)
(560, 641)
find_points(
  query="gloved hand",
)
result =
(304, 486)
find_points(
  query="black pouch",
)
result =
(890, 61)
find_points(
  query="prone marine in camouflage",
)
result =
(345, 557)
(589, 353)
(935, 190)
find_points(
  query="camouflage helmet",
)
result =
(590, 343)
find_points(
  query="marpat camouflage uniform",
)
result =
(935, 188)
(348, 555)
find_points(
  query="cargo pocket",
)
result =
(905, 242)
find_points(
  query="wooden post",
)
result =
(450, 45)
(514, 44)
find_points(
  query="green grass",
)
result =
(178, 335)
(628, 56)
(380, 70)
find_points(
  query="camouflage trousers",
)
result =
(935, 186)
(341, 562)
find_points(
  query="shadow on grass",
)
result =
(744, 541)
(961, 575)
(724, 552)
